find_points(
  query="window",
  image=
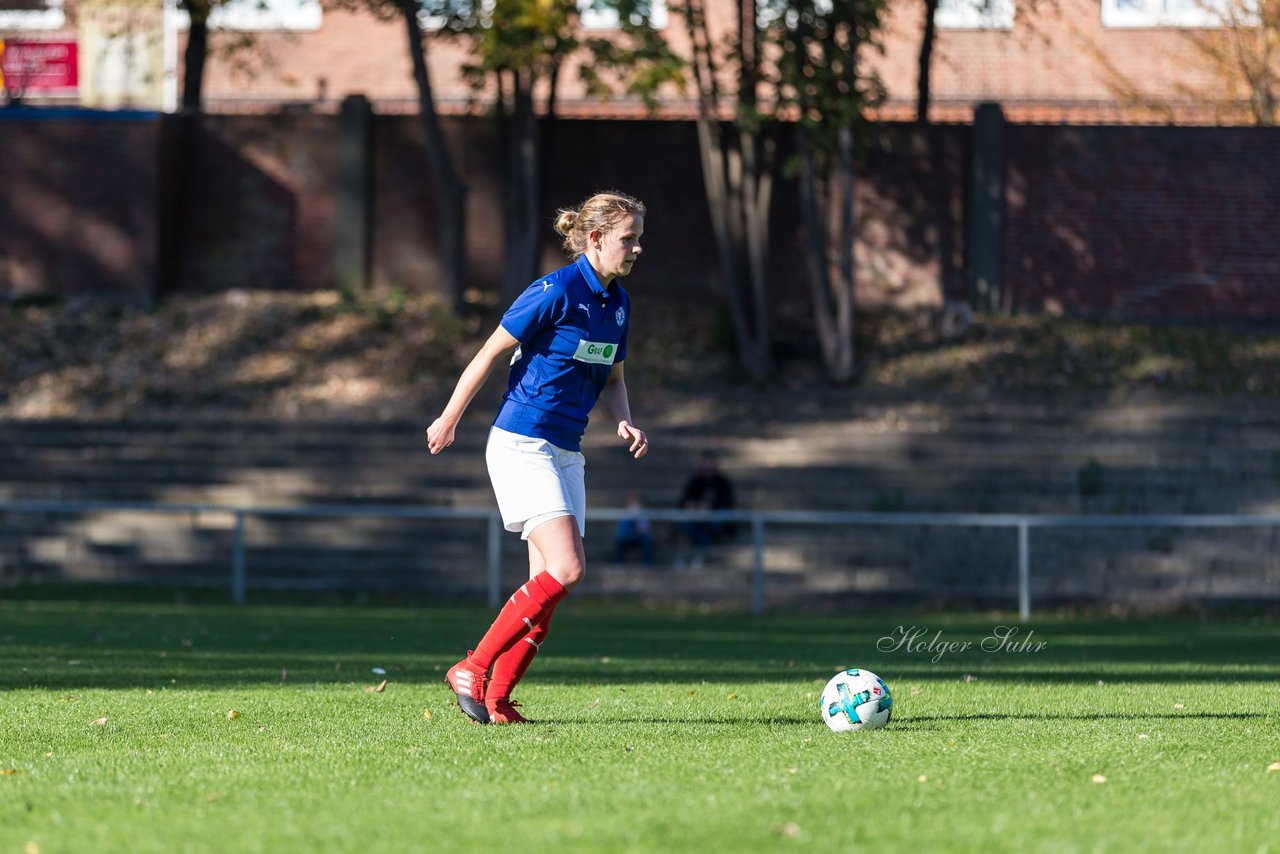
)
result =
(1163, 13)
(252, 15)
(598, 15)
(595, 14)
(31, 15)
(975, 14)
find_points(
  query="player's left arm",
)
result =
(618, 406)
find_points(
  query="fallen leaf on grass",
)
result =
(790, 829)
(733, 696)
(969, 677)
(8, 772)
(98, 722)
(426, 713)
(31, 848)
(376, 689)
(1274, 766)
(1179, 706)
(1098, 778)
(233, 715)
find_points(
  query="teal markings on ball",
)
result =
(848, 703)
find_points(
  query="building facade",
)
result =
(1090, 61)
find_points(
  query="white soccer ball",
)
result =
(856, 699)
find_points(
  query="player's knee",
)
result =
(568, 572)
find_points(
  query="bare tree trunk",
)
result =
(524, 191)
(929, 146)
(738, 182)
(450, 195)
(925, 66)
(827, 211)
(194, 56)
(185, 147)
(757, 192)
(841, 364)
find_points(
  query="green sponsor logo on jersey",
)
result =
(595, 353)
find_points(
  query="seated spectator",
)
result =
(634, 531)
(708, 489)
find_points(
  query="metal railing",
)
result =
(1019, 524)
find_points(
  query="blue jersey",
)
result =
(571, 332)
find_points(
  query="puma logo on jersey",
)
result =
(584, 307)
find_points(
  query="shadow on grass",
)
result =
(73, 645)
(898, 723)
(1098, 716)
(805, 723)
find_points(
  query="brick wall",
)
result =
(659, 162)
(79, 205)
(1147, 222)
(262, 203)
(1138, 222)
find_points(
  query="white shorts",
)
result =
(535, 481)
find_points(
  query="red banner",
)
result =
(39, 66)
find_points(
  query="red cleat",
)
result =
(468, 684)
(504, 712)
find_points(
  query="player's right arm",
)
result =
(440, 433)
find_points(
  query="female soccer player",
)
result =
(569, 331)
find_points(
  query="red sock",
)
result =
(511, 665)
(527, 607)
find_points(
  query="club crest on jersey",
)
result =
(595, 353)
(620, 316)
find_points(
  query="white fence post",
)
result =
(238, 561)
(495, 560)
(1024, 570)
(757, 542)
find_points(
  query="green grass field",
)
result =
(661, 730)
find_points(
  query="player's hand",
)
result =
(628, 432)
(440, 434)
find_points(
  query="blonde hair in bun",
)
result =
(600, 213)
